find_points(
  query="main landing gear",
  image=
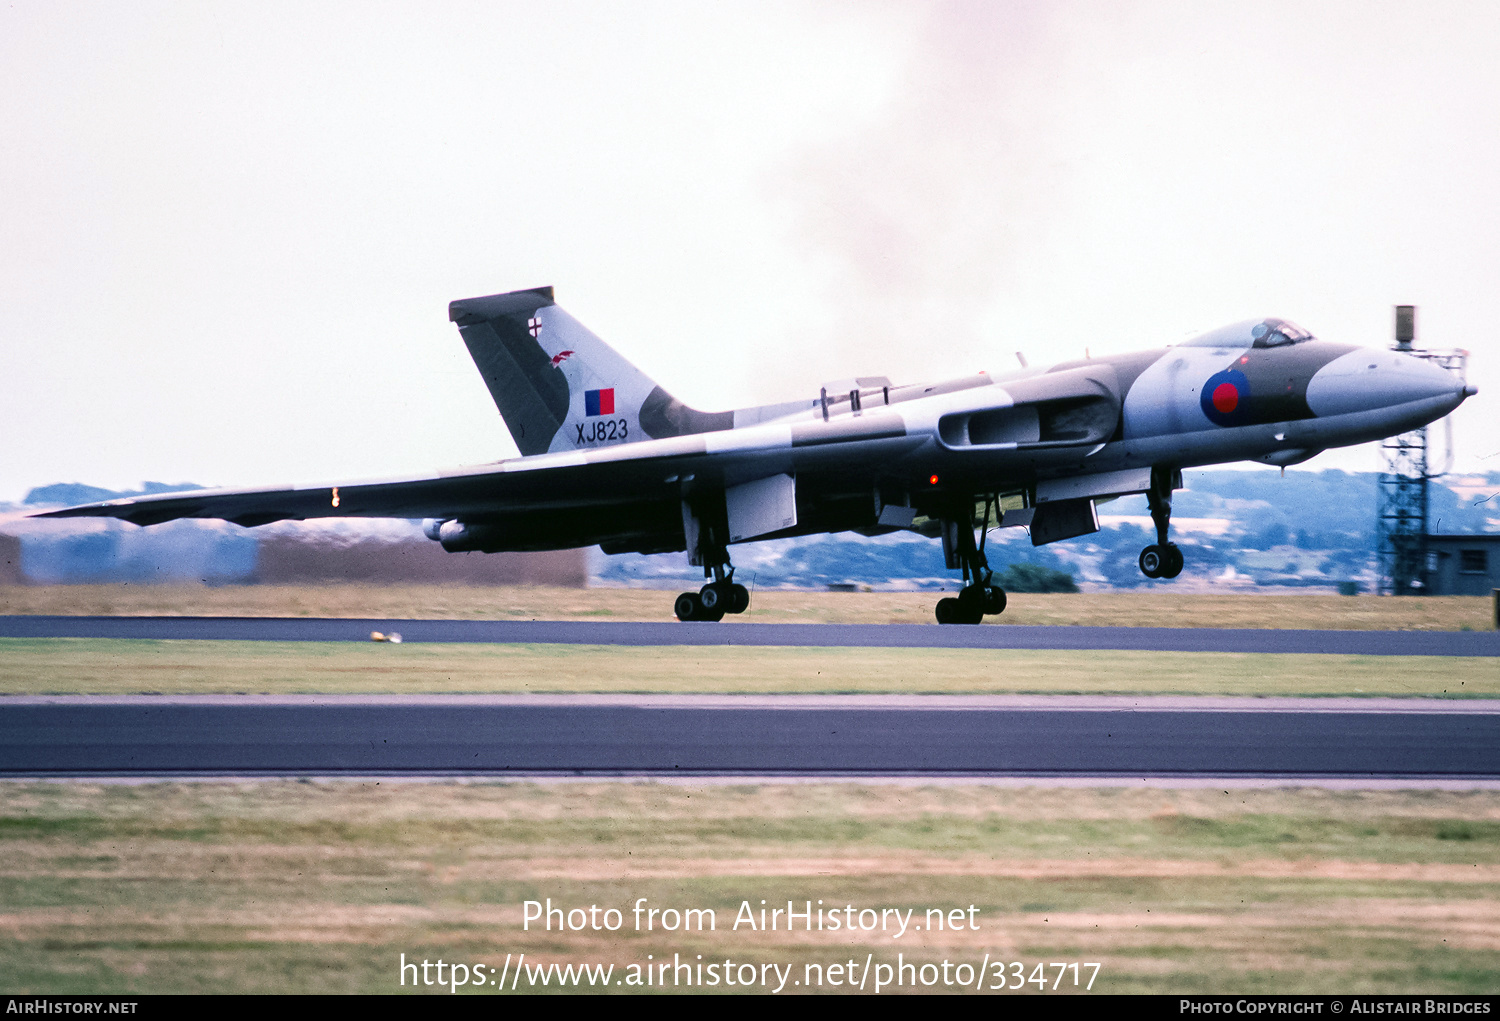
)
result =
(973, 602)
(711, 602)
(706, 548)
(980, 595)
(1162, 559)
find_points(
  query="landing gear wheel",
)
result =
(713, 601)
(690, 606)
(994, 599)
(973, 602)
(971, 599)
(1172, 566)
(949, 611)
(1153, 561)
(739, 599)
(968, 608)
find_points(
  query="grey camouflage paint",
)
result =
(929, 448)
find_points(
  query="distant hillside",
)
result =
(70, 494)
(1318, 503)
(1237, 530)
(1262, 528)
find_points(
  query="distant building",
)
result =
(295, 559)
(186, 552)
(10, 561)
(1463, 565)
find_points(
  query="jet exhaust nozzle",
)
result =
(461, 537)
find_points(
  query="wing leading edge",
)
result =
(613, 496)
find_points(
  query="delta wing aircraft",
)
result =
(610, 458)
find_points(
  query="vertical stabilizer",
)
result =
(559, 387)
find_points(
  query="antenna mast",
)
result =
(1401, 519)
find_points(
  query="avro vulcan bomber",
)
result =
(609, 457)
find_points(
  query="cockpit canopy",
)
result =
(1253, 333)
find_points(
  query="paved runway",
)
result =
(993, 636)
(725, 735)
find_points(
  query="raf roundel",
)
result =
(1226, 398)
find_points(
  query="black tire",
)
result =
(972, 599)
(687, 606)
(711, 598)
(739, 599)
(1152, 561)
(968, 608)
(1173, 566)
(994, 599)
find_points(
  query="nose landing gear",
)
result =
(1162, 559)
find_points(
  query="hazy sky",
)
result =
(229, 232)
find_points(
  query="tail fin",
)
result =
(559, 387)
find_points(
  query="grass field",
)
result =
(320, 887)
(1280, 609)
(127, 666)
(281, 886)
(73, 666)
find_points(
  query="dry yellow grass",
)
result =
(320, 887)
(1144, 609)
(127, 666)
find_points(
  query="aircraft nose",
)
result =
(1366, 380)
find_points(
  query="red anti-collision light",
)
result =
(932, 480)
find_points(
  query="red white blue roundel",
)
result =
(1226, 398)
